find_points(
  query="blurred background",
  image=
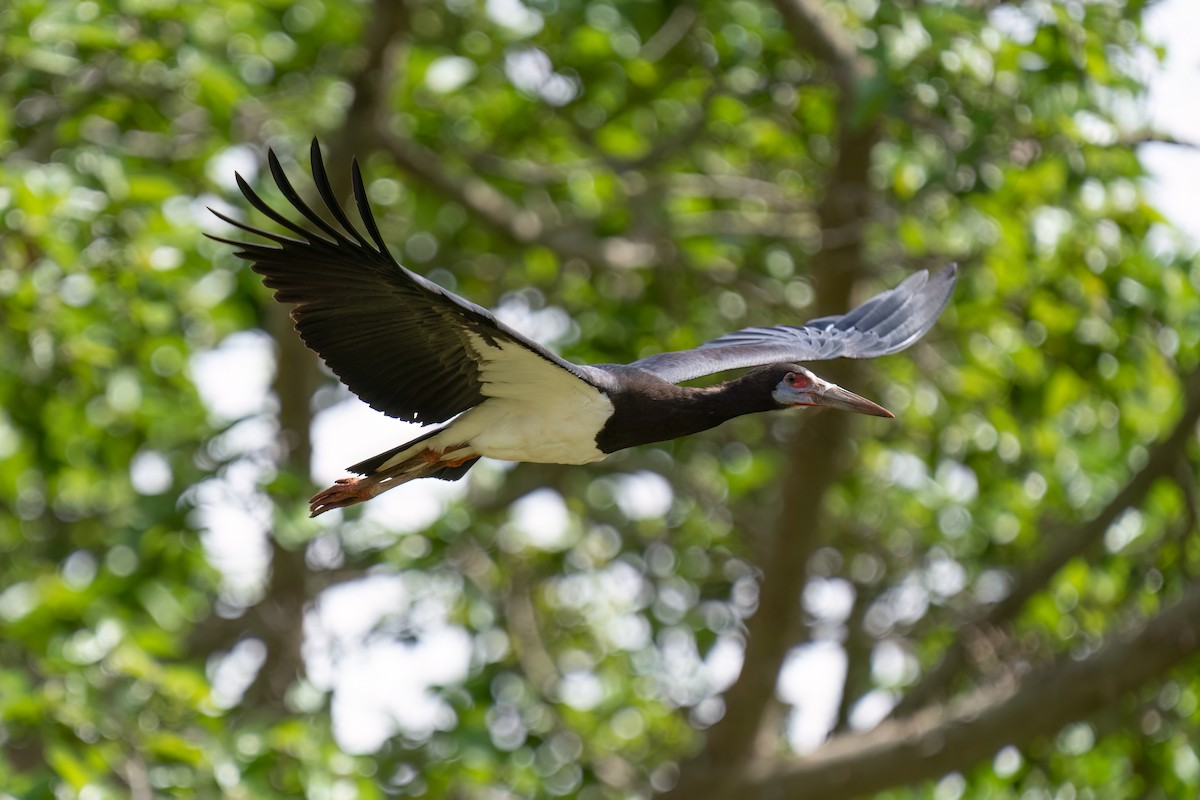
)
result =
(995, 595)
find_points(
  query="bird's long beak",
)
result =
(830, 395)
(837, 397)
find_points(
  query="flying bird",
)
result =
(420, 353)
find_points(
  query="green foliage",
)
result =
(700, 133)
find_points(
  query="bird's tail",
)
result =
(418, 458)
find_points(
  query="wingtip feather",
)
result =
(364, 207)
(325, 189)
(245, 188)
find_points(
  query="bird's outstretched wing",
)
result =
(405, 345)
(887, 323)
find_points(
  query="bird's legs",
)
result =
(349, 491)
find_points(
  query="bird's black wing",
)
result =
(405, 345)
(887, 323)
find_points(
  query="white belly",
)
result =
(512, 430)
(534, 410)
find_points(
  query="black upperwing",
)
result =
(887, 323)
(403, 344)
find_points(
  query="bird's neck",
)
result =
(657, 411)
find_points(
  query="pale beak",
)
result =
(829, 395)
(833, 396)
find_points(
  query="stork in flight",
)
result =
(418, 352)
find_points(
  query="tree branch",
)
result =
(903, 752)
(535, 660)
(520, 225)
(368, 112)
(736, 187)
(743, 223)
(133, 773)
(821, 36)
(1157, 138)
(671, 33)
(530, 173)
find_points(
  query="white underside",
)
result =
(535, 411)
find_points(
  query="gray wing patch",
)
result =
(885, 324)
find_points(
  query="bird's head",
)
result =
(800, 387)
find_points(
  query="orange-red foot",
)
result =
(345, 492)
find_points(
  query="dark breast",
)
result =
(648, 409)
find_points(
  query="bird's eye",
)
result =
(796, 380)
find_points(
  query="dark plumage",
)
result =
(418, 352)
